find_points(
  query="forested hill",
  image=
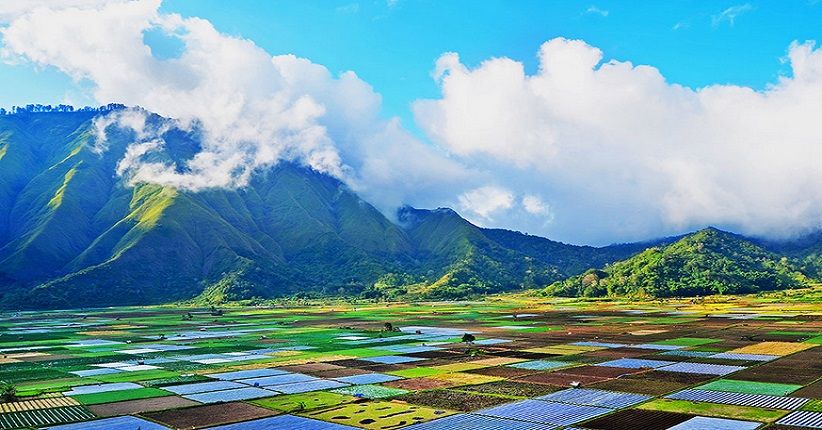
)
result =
(73, 234)
(709, 261)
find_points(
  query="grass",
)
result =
(687, 341)
(136, 376)
(750, 387)
(34, 388)
(815, 405)
(378, 415)
(303, 402)
(417, 372)
(715, 410)
(370, 391)
(119, 396)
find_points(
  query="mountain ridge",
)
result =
(73, 233)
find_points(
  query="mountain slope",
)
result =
(72, 229)
(73, 233)
(805, 250)
(461, 259)
(709, 261)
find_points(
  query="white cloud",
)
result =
(582, 150)
(594, 10)
(485, 201)
(730, 14)
(11, 9)
(625, 155)
(535, 206)
(255, 109)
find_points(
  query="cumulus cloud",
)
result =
(485, 201)
(229, 86)
(11, 9)
(254, 109)
(623, 155)
(535, 206)
(583, 150)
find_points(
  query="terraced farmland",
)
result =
(731, 363)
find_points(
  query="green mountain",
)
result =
(462, 259)
(73, 234)
(709, 261)
(805, 250)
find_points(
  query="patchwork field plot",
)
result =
(558, 364)
(43, 417)
(378, 414)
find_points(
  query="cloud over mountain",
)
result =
(583, 150)
(617, 148)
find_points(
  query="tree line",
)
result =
(38, 108)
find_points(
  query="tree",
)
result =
(8, 392)
(468, 338)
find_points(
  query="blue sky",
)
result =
(547, 120)
(393, 44)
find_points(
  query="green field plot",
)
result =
(321, 343)
(715, 410)
(688, 341)
(174, 380)
(119, 396)
(814, 405)
(750, 387)
(53, 385)
(815, 340)
(137, 376)
(417, 372)
(303, 402)
(44, 417)
(378, 415)
(370, 391)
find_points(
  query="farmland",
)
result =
(510, 362)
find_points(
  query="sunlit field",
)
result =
(513, 362)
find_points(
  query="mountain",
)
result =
(459, 259)
(73, 234)
(806, 250)
(709, 261)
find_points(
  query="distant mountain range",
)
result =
(72, 234)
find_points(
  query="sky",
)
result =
(587, 122)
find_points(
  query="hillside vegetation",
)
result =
(707, 262)
(74, 233)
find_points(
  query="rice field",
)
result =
(533, 364)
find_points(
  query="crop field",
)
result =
(513, 362)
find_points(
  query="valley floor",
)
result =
(508, 362)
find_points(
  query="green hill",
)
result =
(805, 250)
(73, 234)
(709, 261)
